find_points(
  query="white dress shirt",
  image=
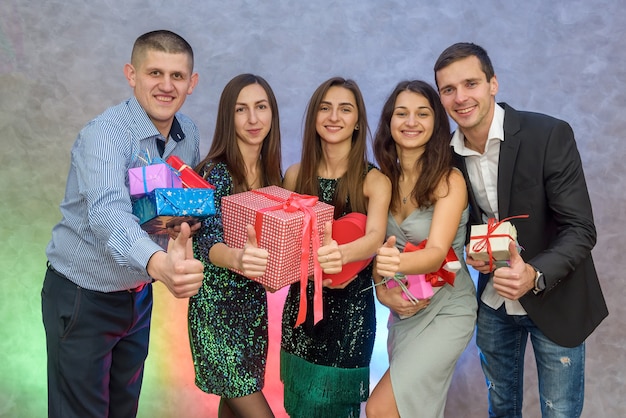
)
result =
(483, 173)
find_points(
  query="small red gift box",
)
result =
(347, 229)
(189, 178)
(447, 270)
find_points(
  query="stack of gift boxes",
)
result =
(167, 193)
(288, 225)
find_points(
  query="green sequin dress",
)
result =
(325, 367)
(228, 317)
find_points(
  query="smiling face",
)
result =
(467, 95)
(337, 115)
(253, 115)
(161, 82)
(412, 121)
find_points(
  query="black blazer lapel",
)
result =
(508, 156)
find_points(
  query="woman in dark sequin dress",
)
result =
(325, 366)
(228, 317)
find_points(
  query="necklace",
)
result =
(406, 197)
(405, 181)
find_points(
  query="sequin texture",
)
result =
(228, 328)
(325, 367)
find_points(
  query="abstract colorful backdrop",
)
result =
(61, 64)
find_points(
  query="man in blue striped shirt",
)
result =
(97, 292)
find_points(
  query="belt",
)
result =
(133, 290)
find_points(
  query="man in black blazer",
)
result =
(523, 163)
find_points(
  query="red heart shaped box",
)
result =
(347, 229)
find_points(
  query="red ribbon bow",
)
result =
(297, 202)
(442, 276)
(484, 240)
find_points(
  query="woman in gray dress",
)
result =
(429, 201)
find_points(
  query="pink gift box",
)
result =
(279, 230)
(417, 284)
(143, 180)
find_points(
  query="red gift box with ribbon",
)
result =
(188, 176)
(289, 226)
(420, 286)
(447, 270)
(346, 229)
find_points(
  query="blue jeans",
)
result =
(501, 339)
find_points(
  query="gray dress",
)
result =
(423, 349)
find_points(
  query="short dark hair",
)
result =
(160, 40)
(463, 50)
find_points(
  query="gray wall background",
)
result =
(61, 64)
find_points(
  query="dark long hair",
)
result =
(224, 146)
(351, 184)
(436, 161)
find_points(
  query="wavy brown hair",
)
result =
(351, 184)
(224, 146)
(436, 161)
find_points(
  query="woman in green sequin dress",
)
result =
(325, 366)
(228, 317)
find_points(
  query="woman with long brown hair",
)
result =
(429, 201)
(228, 317)
(325, 365)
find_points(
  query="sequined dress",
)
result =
(325, 367)
(228, 317)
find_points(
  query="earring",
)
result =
(356, 128)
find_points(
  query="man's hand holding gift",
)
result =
(483, 267)
(489, 244)
(174, 230)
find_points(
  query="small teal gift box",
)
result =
(167, 207)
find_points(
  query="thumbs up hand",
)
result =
(329, 255)
(179, 271)
(253, 260)
(388, 258)
(514, 281)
